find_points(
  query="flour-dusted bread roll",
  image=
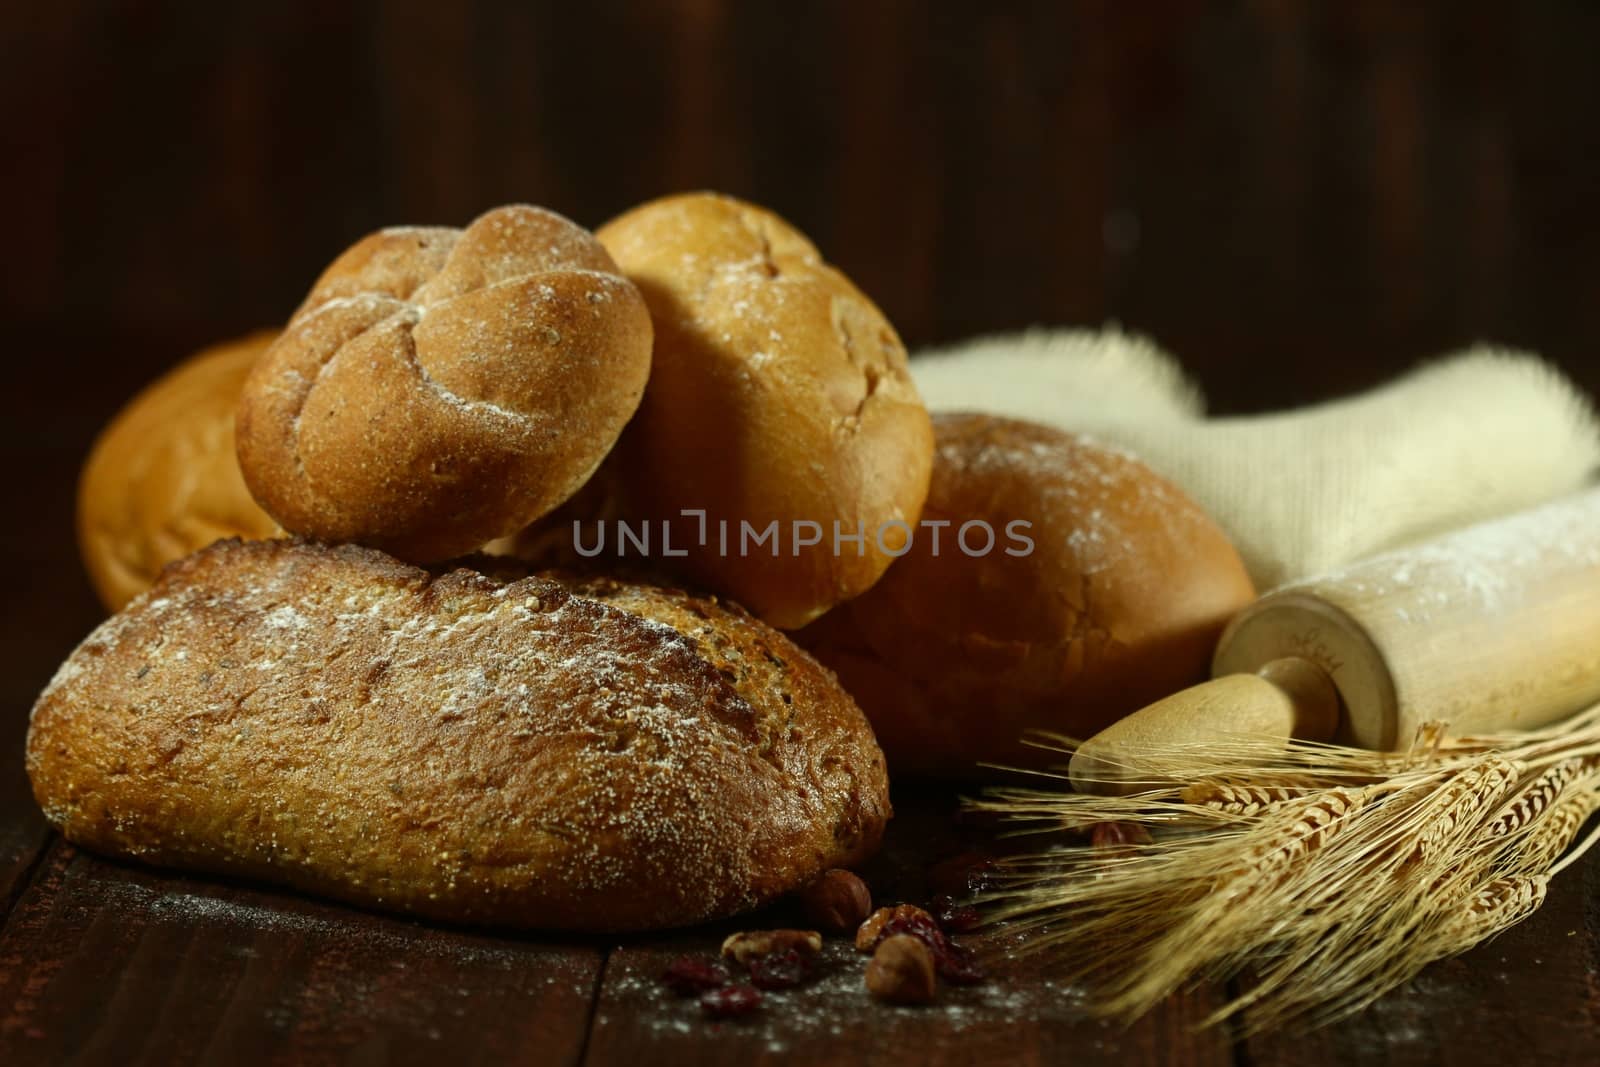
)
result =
(604, 758)
(162, 479)
(779, 395)
(440, 388)
(1119, 601)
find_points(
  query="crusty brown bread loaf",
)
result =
(440, 388)
(1120, 601)
(778, 393)
(600, 758)
(162, 479)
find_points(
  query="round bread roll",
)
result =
(778, 394)
(1119, 601)
(590, 755)
(440, 388)
(162, 479)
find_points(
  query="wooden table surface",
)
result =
(105, 962)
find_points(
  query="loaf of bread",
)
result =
(440, 388)
(598, 757)
(778, 395)
(162, 479)
(1118, 601)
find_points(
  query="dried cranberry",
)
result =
(689, 976)
(779, 970)
(954, 917)
(958, 966)
(955, 964)
(921, 926)
(730, 1002)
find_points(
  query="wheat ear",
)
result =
(1327, 875)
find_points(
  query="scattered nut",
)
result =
(838, 902)
(871, 931)
(954, 963)
(753, 944)
(901, 971)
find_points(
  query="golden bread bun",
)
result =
(162, 479)
(440, 388)
(590, 756)
(778, 392)
(1120, 602)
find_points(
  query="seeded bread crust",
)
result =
(595, 757)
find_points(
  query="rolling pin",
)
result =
(1495, 627)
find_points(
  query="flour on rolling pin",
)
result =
(1495, 627)
(1480, 565)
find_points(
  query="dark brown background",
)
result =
(1294, 197)
(1298, 199)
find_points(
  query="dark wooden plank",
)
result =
(1019, 1015)
(105, 963)
(1529, 997)
(1016, 1017)
(1532, 996)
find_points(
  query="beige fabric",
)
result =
(1459, 440)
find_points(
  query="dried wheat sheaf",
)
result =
(1325, 875)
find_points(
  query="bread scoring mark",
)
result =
(292, 380)
(494, 397)
(761, 229)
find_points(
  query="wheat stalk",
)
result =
(1237, 798)
(1328, 875)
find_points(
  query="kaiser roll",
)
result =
(440, 388)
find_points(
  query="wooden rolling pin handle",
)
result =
(1286, 698)
(1312, 696)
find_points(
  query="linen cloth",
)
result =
(1458, 440)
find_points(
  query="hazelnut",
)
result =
(901, 971)
(870, 931)
(753, 944)
(838, 902)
